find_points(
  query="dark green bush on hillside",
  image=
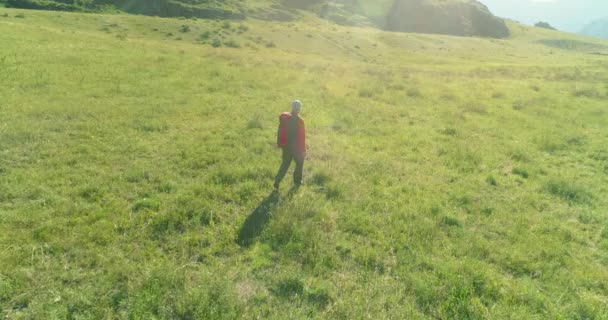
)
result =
(301, 4)
(42, 5)
(162, 8)
(568, 191)
(545, 25)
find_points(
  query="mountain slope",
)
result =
(460, 18)
(454, 17)
(598, 28)
(447, 177)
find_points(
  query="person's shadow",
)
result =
(259, 217)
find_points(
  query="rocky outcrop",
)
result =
(452, 17)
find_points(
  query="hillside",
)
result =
(454, 17)
(459, 18)
(447, 177)
(598, 28)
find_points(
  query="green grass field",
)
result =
(447, 178)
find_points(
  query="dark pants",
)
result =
(288, 156)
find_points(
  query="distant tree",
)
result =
(545, 25)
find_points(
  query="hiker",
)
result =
(292, 139)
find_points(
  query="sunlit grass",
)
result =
(447, 177)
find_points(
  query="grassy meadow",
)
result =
(447, 177)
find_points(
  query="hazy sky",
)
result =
(566, 15)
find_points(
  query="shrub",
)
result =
(535, 87)
(333, 192)
(255, 124)
(319, 295)
(498, 95)
(518, 105)
(289, 287)
(520, 172)
(449, 221)
(205, 35)
(585, 92)
(449, 132)
(232, 44)
(5, 15)
(320, 178)
(216, 43)
(226, 25)
(146, 205)
(491, 181)
(545, 25)
(366, 93)
(243, 28)
(568, 191)
(184, 29)
(20, 15)
(270, 45)
(413, 93)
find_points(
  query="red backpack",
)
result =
(283, 128)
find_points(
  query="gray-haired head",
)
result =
(296, 106)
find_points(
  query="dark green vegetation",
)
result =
(455, 17)
(448, 177)
(546, 25)
(163, 8)
(598, 28)
(575, 45)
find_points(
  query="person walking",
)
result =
(291, 138)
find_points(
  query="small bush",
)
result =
(545, 25)
(270, 45)
(216, 43)
(205, 35)
(5, 15)
(535, 87)
(518, 105)
(146, 205)
(449, 221)
(319, 295)
(232, 44)
(333, 192)
(184, 29)
(91, 193)
(413, 93)
(449, 132)
(585, 93)
(243, 28)
(226, 25)
(20, 16)
(520, 172)
(320, 178)
(568, 191)
(498, 95)
(366, 93)
(255, 124)
(289, 287)
(475, 108)
(491, 181)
